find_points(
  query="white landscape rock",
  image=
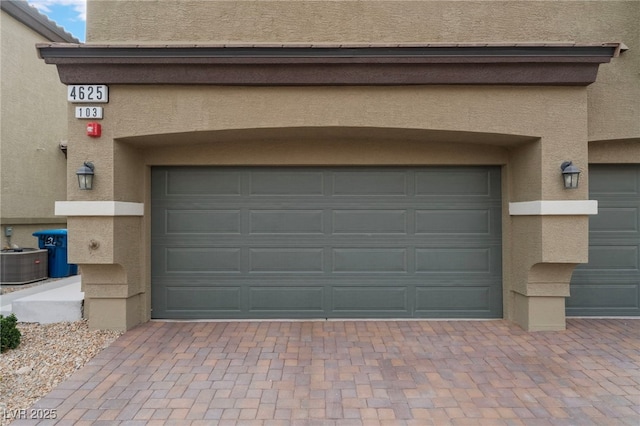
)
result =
(24, 370)
(47, 355)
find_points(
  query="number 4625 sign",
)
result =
(95, 93)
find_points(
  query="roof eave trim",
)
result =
(329, 65)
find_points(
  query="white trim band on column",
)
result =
(98, 208)
(554, 207)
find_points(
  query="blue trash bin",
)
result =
(55, 241)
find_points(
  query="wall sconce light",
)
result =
(570, 175)
(85, 175)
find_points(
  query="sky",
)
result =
(69, 14)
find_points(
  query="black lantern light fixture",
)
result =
(85, 175)
(570, 175)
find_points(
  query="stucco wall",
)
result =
(198, 121)
(33, 123)
(146, 126)
(613, 102)
(615, 151)
(527, 130)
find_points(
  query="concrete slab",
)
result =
(58, 301)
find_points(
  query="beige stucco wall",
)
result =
(33, 123)
(615, 151)
(146, 126)
(529, 131)
(613, 102)
(234, 125)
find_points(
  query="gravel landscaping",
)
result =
(48, 354)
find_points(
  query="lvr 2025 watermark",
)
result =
(29, 414)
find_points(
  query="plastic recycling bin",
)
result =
(55, 241)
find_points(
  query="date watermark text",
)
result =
(29, 414)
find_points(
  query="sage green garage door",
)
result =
(326, 243)
(609, 285)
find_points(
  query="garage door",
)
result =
(609, 284)
(326, 243)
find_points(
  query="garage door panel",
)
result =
(370, 222)
(446, 221)
(286, 222)
(311, 242)
(202, 222)
(617, 258)
(372, 183)
(286, 183)
(615, 219)
(620, 296)
(365, 300)
(287, 299)
(452, 260)
(368, 260)
(286, 260)
(444, 300)
(184, 182)
(614, 181)
(204, 299)
(188, 260)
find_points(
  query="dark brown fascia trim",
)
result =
(29, 16)
(329, 65)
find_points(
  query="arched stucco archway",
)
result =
(355, 126)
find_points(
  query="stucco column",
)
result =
(105, 232)
(549, 231)
(104, 239)
(545, 251)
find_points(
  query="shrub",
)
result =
(9, 333)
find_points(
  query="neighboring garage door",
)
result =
(609, 285)
(326, 243)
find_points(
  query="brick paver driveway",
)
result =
(359, 373)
